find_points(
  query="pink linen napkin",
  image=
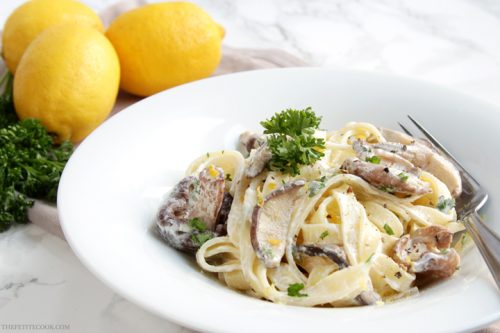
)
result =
(233, 60)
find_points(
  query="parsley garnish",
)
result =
(294, 290)
(462, 240)
(374, 159)
(403, 176)
(228, 177)
(316, 185)
(324, 234)
(292, 122)
(388, 229)
(267, 252)
(386, 188)
(197, 224)
(370, 257)
(195, 189)
(200, 239)
(445, 205)
(291, 140)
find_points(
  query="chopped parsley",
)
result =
(228, 177)
(445, 204)
(463, 240)
(373, 159)
(267, 252)
(388, 229)
(403, 176)
(370, 257)
(386, 188)
(200, 235)
(324, 234)
(294, 290)
(195, 186)
(365, 148)
(201, 238)
(291, 140)
(197, 224)
(316, 185)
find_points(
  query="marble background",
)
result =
(450, 42)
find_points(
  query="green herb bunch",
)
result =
(7, 113)
(30, 163)
(292, 141)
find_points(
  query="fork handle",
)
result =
(487, 241)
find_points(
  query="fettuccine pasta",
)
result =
(333, 234)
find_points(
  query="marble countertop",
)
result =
(450, 42)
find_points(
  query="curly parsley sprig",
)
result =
(291, 140)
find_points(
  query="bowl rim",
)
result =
(209, 327)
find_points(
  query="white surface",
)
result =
(124, 187)
(451, 42)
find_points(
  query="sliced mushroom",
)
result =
(366, 151)
(270, 223)
(193, 197)
(437, 265)
(437, 165)
(396, 136)
(257, 160)
(254, 147)
(386, 178)
(433, 236)
(426, 251)
(207, 202)
(423, 155)
(416, 153)
(248, 141)
(173, 215)
(225, 208)
(333, 252)
(368, 297)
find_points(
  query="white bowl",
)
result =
(114, 182)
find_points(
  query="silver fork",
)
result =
(473, 197)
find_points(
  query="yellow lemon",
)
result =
(30, 19)
(68, 78)
(164, 45)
